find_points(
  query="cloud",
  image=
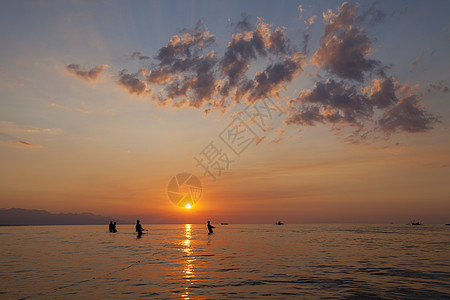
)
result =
(351, 89)
(344, 47)
(345, 17)
(188, 44)
(84, 111)
(244, 24)
(407, 115)
(11, 140)
(15, 129)
(245, 48)
(189, 73)
(185, 70)
(26, 144)
(345, 55)
(88, 75)
(14, 134)
(132, 83)
(330, 101)
(384, 105)
(372, 15)
(311, 20)
(382, 92)
(271, 79)
(341, 104)
(416, 61)
(137, 55)
(440, 87)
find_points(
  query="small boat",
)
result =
(416, 223)
(447, 224)
(223, 223)
(279, 223)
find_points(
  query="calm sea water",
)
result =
(237, 261)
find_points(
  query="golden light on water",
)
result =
(188, 266)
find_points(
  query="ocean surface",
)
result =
(237, 261)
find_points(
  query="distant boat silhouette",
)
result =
(279, 223)
(447, 224)
(223, 223)
(416, 223)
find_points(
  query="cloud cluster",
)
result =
(245, 48)
(14, 134)
(185, 70)
(188, 72)
(132, 83)
(440, 87)
(330, 101)
(342, 98)
(406, 115)
(351, 88)
(385, 105)
(88, 75)
(344, 47)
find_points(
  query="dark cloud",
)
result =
(132, 83)
(189, 73)
(26, 144)
(244, 24)
(343, 105)
(344, 47)
(440, 87)
(305, 42)
(87, 75)
(271, 79)
(382, 92)
(184, 70)
(244, 48)
(345, 17)
(373, 15)
(187, 44)
(333, 102)
(407, 115)
(308, 115)
(345, 55)
(137, 55)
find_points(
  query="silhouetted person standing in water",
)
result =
(139, 228)
(210, 228)
(111, 226)
(114, 229)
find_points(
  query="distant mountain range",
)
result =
(20, 216)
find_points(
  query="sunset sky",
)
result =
(103, 102)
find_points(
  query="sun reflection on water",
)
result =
(188, 265)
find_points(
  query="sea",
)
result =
(236, 262)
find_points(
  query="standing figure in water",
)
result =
(210, 228)
(114, 229)
(111, 226)
(139, 228)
